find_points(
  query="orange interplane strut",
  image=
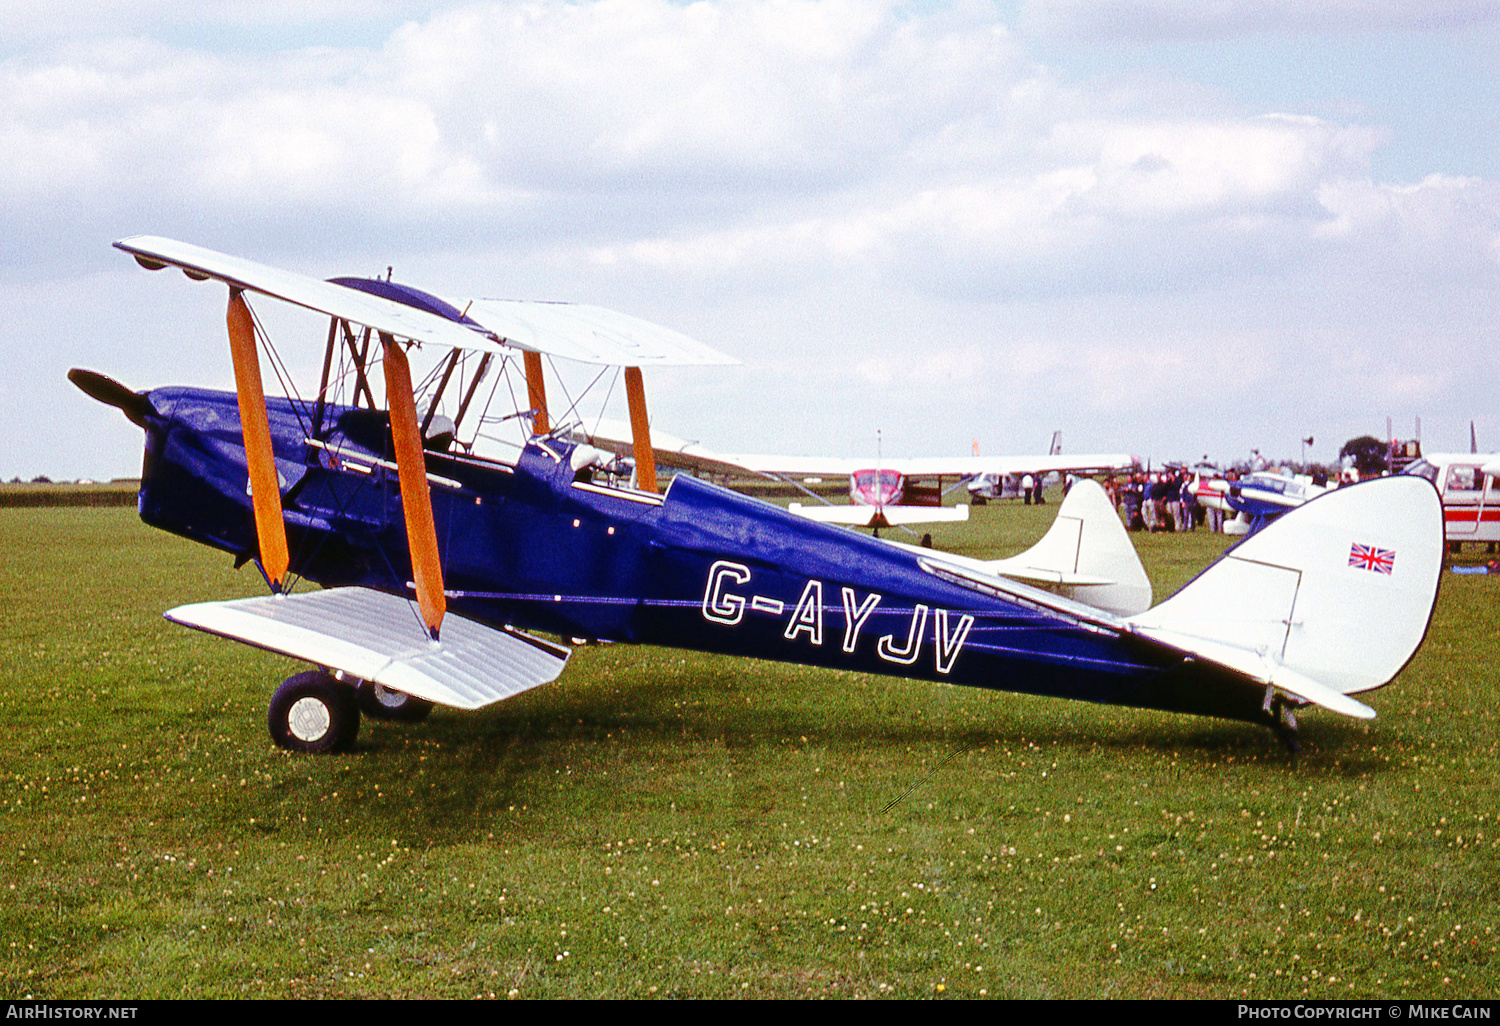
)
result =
(416, 498)
(640, 431)
(265, 488)
(536, 391)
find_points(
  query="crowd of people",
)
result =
(1163, 501)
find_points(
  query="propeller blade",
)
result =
(110, 392)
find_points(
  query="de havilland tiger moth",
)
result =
(440, 567)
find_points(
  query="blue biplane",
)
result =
(438, 565)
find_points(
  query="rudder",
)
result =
(1331, 599)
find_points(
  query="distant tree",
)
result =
(41, 479)
(1367, 454)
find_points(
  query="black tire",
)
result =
(382, 703)
(314, 714)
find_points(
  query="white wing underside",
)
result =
(377, 637)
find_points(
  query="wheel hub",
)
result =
(309, 719)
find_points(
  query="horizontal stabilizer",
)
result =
(881, 516)
(1330, 599)
(378, 637)
(1253, 665)
(1088, 552)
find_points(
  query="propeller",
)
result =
(110, 392)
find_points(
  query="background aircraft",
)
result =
(1471, 494)
(438, 564)
(883, 492)
(1258, 497)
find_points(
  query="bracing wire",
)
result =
(608, 395)
(503, 374)
(571, 410)
(278, 367)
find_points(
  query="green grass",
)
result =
(665, 823)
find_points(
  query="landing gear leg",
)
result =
(1286, 728)
(314, 713)
(1285, 716)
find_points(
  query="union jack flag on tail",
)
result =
(1367, 557)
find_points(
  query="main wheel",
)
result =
(314, 713)
(382, 703)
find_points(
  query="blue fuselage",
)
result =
(541, 547)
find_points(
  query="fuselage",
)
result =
(876, 488)
(541, 546)
(1470, 491)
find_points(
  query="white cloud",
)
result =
(887, 211)
(733, 96)
(24, 24)
(1218, 19)
(1110, 201)
(1457, 218)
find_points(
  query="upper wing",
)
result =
(973, 466)
(348, 304)
(590, 334)
(930, 466)
(680, 454)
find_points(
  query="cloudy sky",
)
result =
(1167, 227)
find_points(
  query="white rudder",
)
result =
(1331, 599)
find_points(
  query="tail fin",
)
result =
(1331, 599)
(1087, 553)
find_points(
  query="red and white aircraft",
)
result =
(882, 492)
(1469, 483)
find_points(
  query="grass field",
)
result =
(669, 824)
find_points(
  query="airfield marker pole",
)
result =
(255, 428)
(416, 496)
(640, 431)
